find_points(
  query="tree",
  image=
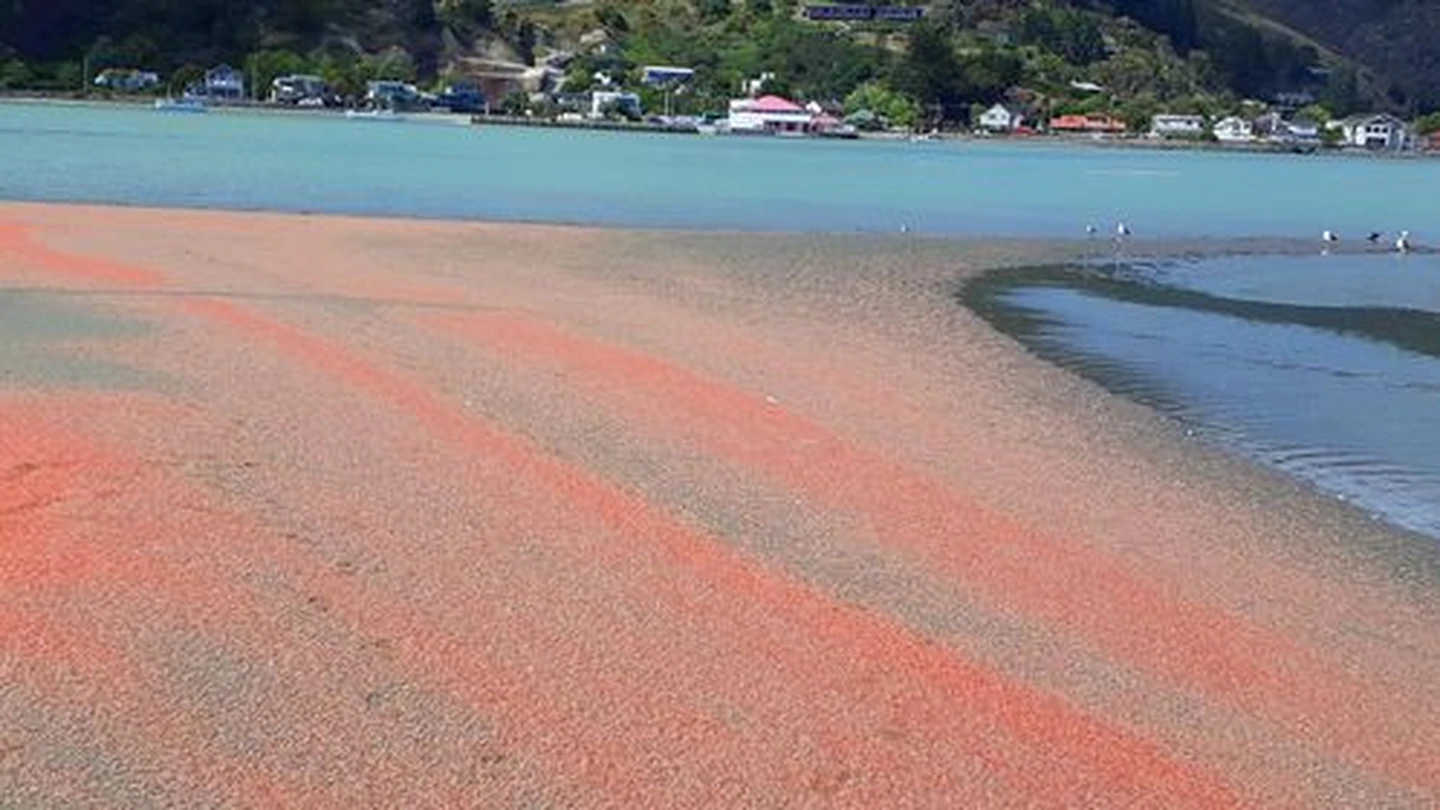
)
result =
(930, 71)
(1137, 112)
(1428, 124)
(897, 109)
(266, 66)
(984, 77)
(514, 104)
(525, 39)
(14, 73)
(1072, 34)
(1315, 112)
(394, 64)
(344, 74)
(102, 54)
(579, 77)
(612, 19)
(69, 75)
(776, 86)
(1342, 93)
(713, 10)
(185, 76)
(464, 15)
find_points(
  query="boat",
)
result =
(180, 105)
(373, 115)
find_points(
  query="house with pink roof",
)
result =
(769, 115)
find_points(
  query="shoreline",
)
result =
(1139, 144)
(1023, 325)
(762, 484)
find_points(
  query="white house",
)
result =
(1177, 126)
(1274, 127)
(1233, 129)
(1380, 131)
(1303, 130)
(127, 80)
(223, 81)
(606, 101)
(752, 86)
(1000, 118)
(296, 88)
(770, 115)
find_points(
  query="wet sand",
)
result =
(306, 511)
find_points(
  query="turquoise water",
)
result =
(1326, 367)
(331, 164)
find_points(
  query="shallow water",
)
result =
(331, 164)
(1325, 367)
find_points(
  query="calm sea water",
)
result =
(1328, 367)
(304, 163)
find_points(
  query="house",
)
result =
(1091, 124)
(840, 11)
(392, 95)
(1177, 126)
(126, 80)
(223, 82)
(899, 13)
(1276, 128)
(606, 102)
(1303, 130)
(860, 12)
(1000, 118)
(1233, 129)
(664, 74)
(751, 87)
(769, 115)
(497, 79)
(297, 88)
(462, 97)
(1381, 131)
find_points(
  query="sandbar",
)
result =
(324, 512)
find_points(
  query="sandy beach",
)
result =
(302, 511)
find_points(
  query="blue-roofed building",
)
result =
(666, 74)
(899, 13)
(839, 12)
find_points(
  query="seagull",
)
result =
(905, 228)
(1403, 243)
(1329, 236)
(1122, 230)
(1090, 230)
(1374, 236)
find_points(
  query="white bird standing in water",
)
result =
(1402, 244)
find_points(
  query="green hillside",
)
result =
(1180, 55)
